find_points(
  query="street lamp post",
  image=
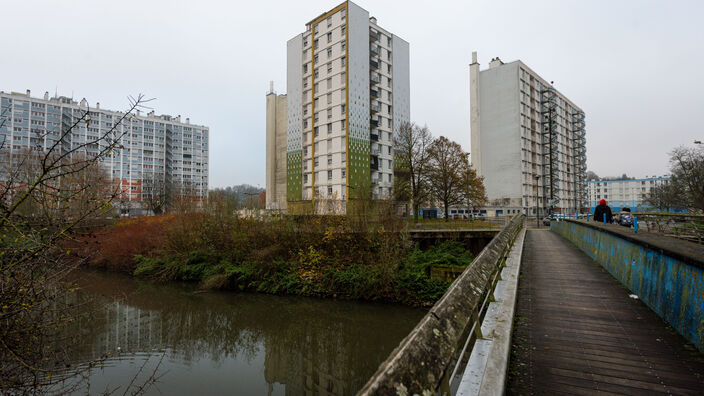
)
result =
(537, 194)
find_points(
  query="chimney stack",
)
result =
(188, 120)
(28, 92)
(97, 105)
(46, 95)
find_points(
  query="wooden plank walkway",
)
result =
(577, 332)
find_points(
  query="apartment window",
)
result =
(329, 190)
(329, 67)
(388, 68)
(329, 159)
(388, 55)
(342, 15)
(315, 87)
(388, 82)
(305, 178)
(343, 28)
(305, 150)
(329, 148)
(343, 45)
(344, 173)
(316, 73)
(316, 131)
(329, 128)
(315, 59)
(343, 76)
(329, 98)
(329, 52)
(329, 36)
(342, 61)
(342, 109)
(344, 157)
(389, 160)
(330, 177)
(305, 42)
(388, 42)
(329, 83)
(342, 142)
(388, 151)
(342, 124)
(316, 161)
(388, 107)
(305, 124)
(315, 42)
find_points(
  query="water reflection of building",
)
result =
(127, 329)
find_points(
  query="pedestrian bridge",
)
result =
(578, 309)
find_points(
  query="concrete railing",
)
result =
(666, 273)
(424, 361)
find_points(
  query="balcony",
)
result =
(373, 93)
(374, 49)
(374, 165)
(373, 64)
(375, 107)
(375, 151)
(374, 35)
(375, 78)
(374, 123)
(374, 137)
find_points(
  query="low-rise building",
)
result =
(627, 193)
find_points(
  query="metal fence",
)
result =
(679, 225)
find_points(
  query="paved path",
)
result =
(577, 331)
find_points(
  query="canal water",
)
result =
(227, 343)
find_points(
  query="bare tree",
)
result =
(447, 159)
(157, 193)
(411, 162)
(48, 193)
(686, 186)
(472, 188)
(687, 170)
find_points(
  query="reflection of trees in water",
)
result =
(330, 347)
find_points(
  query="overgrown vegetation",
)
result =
(325, 256)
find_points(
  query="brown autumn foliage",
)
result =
(115, 247)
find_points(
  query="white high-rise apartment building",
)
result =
(155, 148)
(528, 141)
(348, 92)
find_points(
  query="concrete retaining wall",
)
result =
(666, 273)
(419, 365)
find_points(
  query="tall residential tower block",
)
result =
(347, 93)
(275, 150)
(528, 141)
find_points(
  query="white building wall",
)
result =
(500, 143)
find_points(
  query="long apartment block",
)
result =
(161, 148)
(347, 93)
(528, 141)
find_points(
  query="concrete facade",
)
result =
(348, 91)
(520, 126)
(153, 147)
(630, 193)
(275, 151)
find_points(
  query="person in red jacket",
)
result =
(602, 209)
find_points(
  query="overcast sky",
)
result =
(635, 67)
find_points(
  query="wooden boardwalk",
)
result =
(577, 332)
